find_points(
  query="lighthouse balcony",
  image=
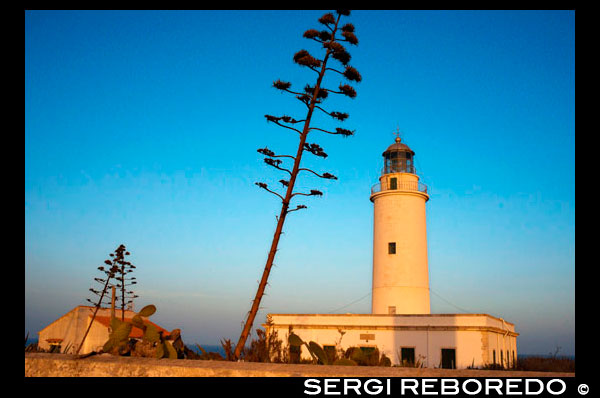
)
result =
(395, 185)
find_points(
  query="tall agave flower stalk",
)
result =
(330, 39)
(125, 297)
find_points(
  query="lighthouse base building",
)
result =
(400, 324)
(453, 341)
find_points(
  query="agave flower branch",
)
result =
(311, 96)
(326, 176)
(299, 207)
(338, 130)
(276, 120)
(267, 152)
(313, 192)
(264, 186)
(275, 163)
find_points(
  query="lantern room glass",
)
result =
(398, 162)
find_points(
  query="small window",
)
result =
(448, 358)
(393, 183)
(392, 310)
(501, 358)
(392, 248)
(367, 350)
(407, 356)
(494, 356)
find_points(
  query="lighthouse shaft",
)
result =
(400, 268)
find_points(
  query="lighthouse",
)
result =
(400, 269)
(400, 324)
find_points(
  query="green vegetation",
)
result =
(153, 343)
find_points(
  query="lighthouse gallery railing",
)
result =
(399, 186)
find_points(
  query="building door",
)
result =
(448, 358)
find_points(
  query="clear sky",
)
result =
(141, 128)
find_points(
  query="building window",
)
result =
(393, 183)
(392, 310)
(392, 248)
(367, 350)
(407, 356)
(494, 356)
(448, 358)
(55, 345)
(501, 358)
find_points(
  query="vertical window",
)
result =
(494, 355)
(393, 183)
(392, 310)
(448, 358)
(407, 356)
(501, 358)
(392, 248)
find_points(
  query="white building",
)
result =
(66, 333)
(400, 324)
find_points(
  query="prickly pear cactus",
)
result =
(147, 311)
(315, 350)
(295, 340)
(153, 344)
(318, 351)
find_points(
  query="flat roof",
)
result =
(398, 315)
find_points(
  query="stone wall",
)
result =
(62, 365)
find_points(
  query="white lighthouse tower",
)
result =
(400, 270)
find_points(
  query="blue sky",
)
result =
(141, 128)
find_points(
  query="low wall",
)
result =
(62, 365)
